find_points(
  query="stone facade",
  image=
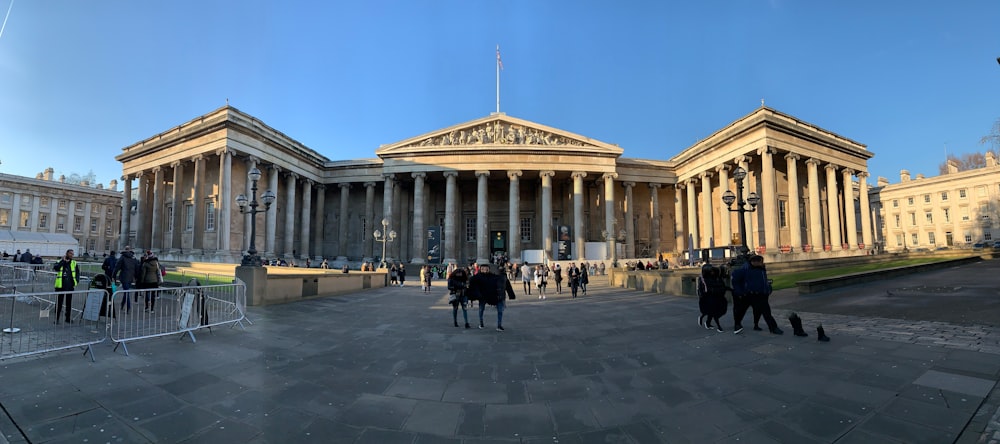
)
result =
(497, 183)
(91, 215)
(957, 209)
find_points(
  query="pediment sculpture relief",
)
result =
(498, 133)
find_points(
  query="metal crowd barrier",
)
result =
(32, 326)
(149, 313)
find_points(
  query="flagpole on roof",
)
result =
(499, 67)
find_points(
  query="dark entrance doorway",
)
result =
(498, 244)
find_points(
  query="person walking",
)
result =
(754, 289)
(711, 297)
(541, 277)
(458, 282)
(425, 277)
(126, 270)
(558, 277)
(401, 274)
(527, 276)
(109, 265)
(574, 278)
(67, 278)
(490, 289)
(584, 278)
(150, 277)
(393, 275)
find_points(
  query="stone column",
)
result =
(725, 216)
(815, 223)
(628, 215)
(141, 217)
(345, 195)
(654, 235)
(306, 223)
(198, 202)
(225, 199)
(271, 217)
(514, 213)
(251, 163)
(692, 214)
(387, 189)
(609, 213)
(419, 244)
(833, 206)
(318, 235)
(744, 162)
(367, 237)
(36, 203)
(866, 211)
(769, 200)
(794, 217)
(400, 220)
(157, 230)
(450, 255)
(707, 211)
(578, 237)
(849, 213)
(54, 214)
(126, 213)
(482, 219)
(679, 239)
(290, 186)
(547, 230)
(178, 205)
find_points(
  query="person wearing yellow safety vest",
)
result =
(67, 276)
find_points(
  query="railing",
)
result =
(32, 324)
(150, 313)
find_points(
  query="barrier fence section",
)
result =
(32, 325)
(148, 313)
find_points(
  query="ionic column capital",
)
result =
(654, 186)
(348, 185)
(546, 173)
(252, 159)
(680, 185)
(370, 184)
(693, 180)
(813, 161)
(320, 187)
(721, 168)
(448, 174)
(609, 176)
(741, 159)
(705, 175)
(389, 176)
(482, 173)
(766, 150)
(156, 169)
(862, 175)
(514, 174)
(224, 152)
(578, 174)
(274, 168)
(848, 172)
(418, 174)
(830, 167)
(792, 156)
(292, 175)
(628, 184)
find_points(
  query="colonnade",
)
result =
(778, 219)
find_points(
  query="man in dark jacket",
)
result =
(125, 271)
(109, 264)
(491, 289)
(752, 288)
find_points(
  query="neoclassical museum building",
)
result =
(495, 185)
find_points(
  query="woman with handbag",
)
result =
(458, 281)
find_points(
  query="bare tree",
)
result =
(79, 179)
(993, 138)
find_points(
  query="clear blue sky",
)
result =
(82, 79)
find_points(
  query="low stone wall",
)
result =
(680, 281)
(280, 285)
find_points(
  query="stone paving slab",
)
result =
(387, 366)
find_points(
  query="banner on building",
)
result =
(434, 245)
(564, 239)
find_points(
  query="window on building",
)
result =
(79, 207)
(968, 238)
(895, 203)
(107, 244)
(944, 195)
(25, 200)
(170, 218)
(61, 223)
(63, 204)
(95, 209)
(965, 213)
(930, 238)
(210, 218)
(909, 201)
(913, 219)
(4, 217)
(77, 224)
(961, 194)
(24, 219)
(782, 213)
(188, 217)
(896, 216)
(987, 235)
(899, 240)
(91, 244)
(914, 239)
(111, 211)
(44, 202)
(929, 216)
(6, 198)
(947, 215)
(927, 198)
(108, 227)
(525, 229)
(93, 225)
(43, 221)
(470, 229)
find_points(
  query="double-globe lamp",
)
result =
(252, 259)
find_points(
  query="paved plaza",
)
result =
(614, 366)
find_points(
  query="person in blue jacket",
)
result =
(752, 288)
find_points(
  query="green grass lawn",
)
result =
(788, 280)
(212, 279)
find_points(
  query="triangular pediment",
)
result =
(497, 131)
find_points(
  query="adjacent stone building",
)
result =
(41, 212)
(496, 185)
(957, 209)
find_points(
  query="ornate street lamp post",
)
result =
(251, 259)
(728, 198)
(389, 236)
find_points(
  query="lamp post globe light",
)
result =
(741, 205)
(389, 236)
(250, 207)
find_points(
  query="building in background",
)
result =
(48, 216)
